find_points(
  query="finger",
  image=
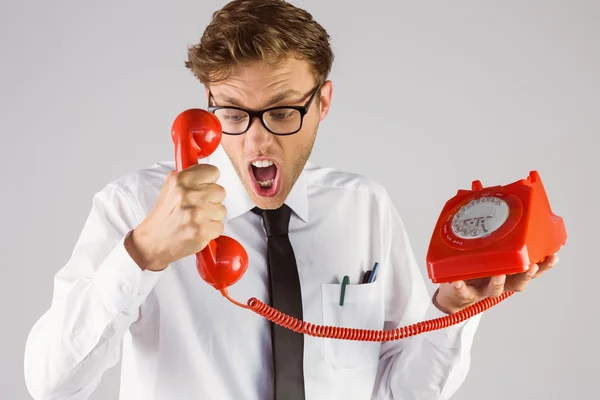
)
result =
(197, 175)
(208, 193)
(450, 296)
(198, 216)
(496, 286)
(219, 213)
(518, 282)
(214, 193)
(461, 290)
(478, 283)
(464, 292)
(215, 212)
(548, 263)
(210, 230)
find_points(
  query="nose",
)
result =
(257, 136)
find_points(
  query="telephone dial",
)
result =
(480, 233)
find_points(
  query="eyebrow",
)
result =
(277, 98)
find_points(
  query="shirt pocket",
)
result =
(362, 309)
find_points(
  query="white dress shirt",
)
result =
(181, 339)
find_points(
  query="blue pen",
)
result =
(373, 273)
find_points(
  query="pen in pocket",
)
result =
(366, 277)
(370, 275)
(373, 275)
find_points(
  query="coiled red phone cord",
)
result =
(367, 335)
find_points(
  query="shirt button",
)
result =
(125, 288)
(142, 292)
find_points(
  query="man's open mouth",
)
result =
(265, 177)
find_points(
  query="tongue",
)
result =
(264, 174)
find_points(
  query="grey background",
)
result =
(428, 96)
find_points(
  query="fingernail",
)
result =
(534, 268)
(458, 285)
(500, 279)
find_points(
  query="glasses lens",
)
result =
(232, 121)
(283, 120)
(280, 121)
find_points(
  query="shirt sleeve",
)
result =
(428, 366)
(97, 296)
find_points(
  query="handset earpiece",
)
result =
(196, 134)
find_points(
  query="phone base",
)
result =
(491, 231)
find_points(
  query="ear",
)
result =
(325, 99)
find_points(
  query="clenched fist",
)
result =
(187, 215)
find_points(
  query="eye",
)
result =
(232, 115)
(282, 114)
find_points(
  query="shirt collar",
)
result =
(237, 201)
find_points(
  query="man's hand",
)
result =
(455, 296)
(187, 215)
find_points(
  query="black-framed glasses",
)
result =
(282, 120)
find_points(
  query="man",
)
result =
(132, 281)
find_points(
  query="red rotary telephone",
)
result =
(494, 231)
(479, 233)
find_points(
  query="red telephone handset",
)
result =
(196, 134)
(480, 233)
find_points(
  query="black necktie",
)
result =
(288, 346)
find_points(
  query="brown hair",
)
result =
(259, 30)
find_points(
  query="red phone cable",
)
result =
(367, 335)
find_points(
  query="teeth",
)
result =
(266, 183)
(262, 163)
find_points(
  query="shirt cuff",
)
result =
(450, 336)
(120, 283)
